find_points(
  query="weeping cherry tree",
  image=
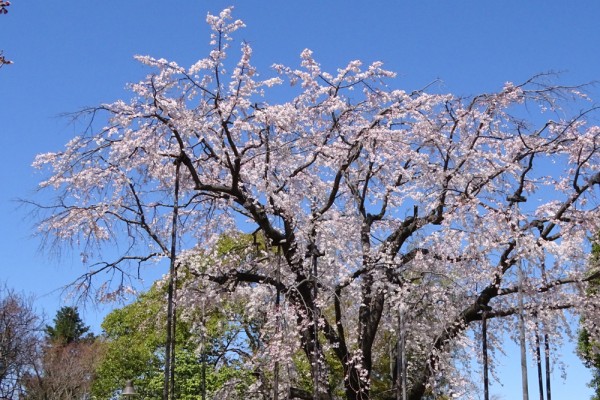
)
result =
(372, 203)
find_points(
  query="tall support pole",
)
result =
(392, 356)
(203, 353)
(538, 360)
(546, 344)
(399, 361)
(315, 360)
(522, 343)
(547, 359)
(404, 361)
(169, 373)
(277, 322)
(401, 393)
(173, 336)
(168, 344)
(392, 352)
(486, 381)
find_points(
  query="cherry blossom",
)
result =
(371, 206)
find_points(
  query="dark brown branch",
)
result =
(550, 285)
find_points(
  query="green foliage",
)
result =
(587, 348)
(381, 376)
(135, 337)
(304, 380)
(238, 243)
(588, 351)
(68, 327)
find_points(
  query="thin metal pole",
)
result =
(316, 326)
(398, 377)
(173, 335)
(524, 379)
(546, 344)
(486, 381)
(277, 322)
(538, 359)
(169, 373)
(547, 359)
(203, 353)
(402, 380)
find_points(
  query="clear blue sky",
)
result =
(72, 53)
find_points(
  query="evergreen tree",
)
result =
(65, 367)
(68, 327)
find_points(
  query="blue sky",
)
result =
(75, 53)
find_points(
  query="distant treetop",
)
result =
(68, 327)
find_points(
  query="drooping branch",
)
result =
(400, 197)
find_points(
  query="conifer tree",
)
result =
(68, 327)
